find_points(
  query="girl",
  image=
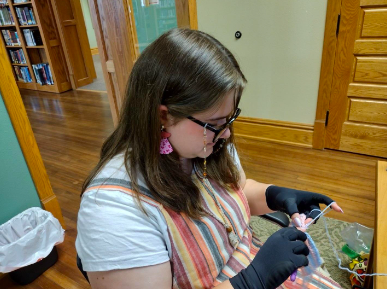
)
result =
(168, 204)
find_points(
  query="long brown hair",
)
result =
(190, 72)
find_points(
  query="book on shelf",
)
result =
(6, 16)
(43, 74)
(21, 1)
(17, 56)
(3, 2)
(11, 37)
(22, 73)
(25, 15)
(32, 37)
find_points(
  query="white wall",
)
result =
(279, 52)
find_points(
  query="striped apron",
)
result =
(202, 256)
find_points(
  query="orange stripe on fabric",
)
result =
(225, 273)
(234, 222)
(244, 251)
(323, 279)
(243, 197)
(225, 208)
(180, 247)
(195, 252)
(216, 241)
(202, 244)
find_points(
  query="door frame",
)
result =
(186, 16)
(22, 127)
(326, 72)
(124, 27)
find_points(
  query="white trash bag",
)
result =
(27, 238)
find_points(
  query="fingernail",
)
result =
(297, 221)
(293, 276)
(341, 210)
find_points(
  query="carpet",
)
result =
(264, 229)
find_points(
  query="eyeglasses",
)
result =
(218, 131)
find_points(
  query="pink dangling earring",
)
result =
(165, 146)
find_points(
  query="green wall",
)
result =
(154, 20)
(17, 190)
(89, 24)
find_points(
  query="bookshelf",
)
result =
(32, 43)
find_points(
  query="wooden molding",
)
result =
(326, 72)
(133, 32)
(193, 14)
(186, 14)
(275, 131)
(94, 51)
(182, 13)
(19, 119)
(91, 90)
(380, 249)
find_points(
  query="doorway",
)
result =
(98, 83)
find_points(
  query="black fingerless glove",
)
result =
(278, 258)
(292, 201)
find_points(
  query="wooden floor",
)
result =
(71, 127)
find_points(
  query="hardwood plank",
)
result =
(347, 178)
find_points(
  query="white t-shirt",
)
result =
(113, 232)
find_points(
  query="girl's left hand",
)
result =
(293, 202)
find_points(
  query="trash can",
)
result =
(27, 244)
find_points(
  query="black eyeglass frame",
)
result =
(218, 132)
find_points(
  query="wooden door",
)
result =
(357, 119)
(115, 27)
(72, 31)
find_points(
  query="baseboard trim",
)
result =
(94, 51)
(283, 132)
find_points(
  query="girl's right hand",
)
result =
(278, 258)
